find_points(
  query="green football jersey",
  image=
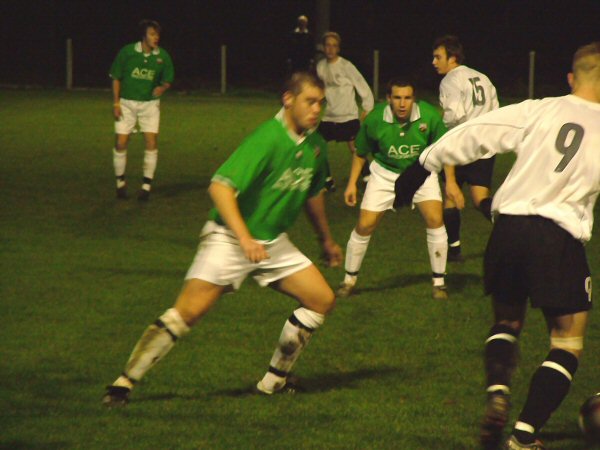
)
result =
(397, 145)
(273, 173)
(140, 73)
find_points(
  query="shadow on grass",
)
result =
(173, 190)
(324, 382)
(457, 282)
(22, 445)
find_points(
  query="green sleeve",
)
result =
(247, 163)
(318, 181)
(116, 70)
(168, 73)
(365, 142)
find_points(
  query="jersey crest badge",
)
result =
(299, 154)
(317, 151)
(159, 61)
(423, 127)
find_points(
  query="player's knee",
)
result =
(573, 345)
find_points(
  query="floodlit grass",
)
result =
(84, 274)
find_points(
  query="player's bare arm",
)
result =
(355, 172)
(315, 210)
(116, 88)
(225, 201)
(453, 191)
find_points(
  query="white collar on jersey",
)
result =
(297, 138)
(138, 48)
(415, 114)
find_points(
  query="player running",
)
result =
(258, 193)
(396, 133)
(544, 213)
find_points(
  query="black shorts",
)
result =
(532, 257)
(478, 173)
(341, 132)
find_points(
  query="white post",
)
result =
(531, 72)
(69, 63)
(223, 69)
(376, 74)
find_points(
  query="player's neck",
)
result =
(290, 124)
(146, 48)
(587, 93)
(333, 60)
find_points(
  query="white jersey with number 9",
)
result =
(557, 171)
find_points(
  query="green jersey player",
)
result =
(396, 133)
(141, 73)
(257, 192)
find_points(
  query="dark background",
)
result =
(497, 36)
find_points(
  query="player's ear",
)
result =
(571, 79)
(287, 99)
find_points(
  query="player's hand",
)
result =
(454, 194)
(350, 194)
(408, 183)
(158, 91)
(117, 113)
(253, 250)
(332, 253)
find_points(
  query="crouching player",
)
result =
(258, 193)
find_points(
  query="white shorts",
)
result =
(221, 260)
(380, 195)
(146, 113)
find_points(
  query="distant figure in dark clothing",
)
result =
(301, 51)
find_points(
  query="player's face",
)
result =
(152, 37)
(305, 108)
(440, 61)
(331, 48)
(401, 101)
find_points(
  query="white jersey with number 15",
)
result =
(465, 94)
(557, 171)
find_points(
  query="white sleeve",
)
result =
(362, 88)
(452, 103)
(499, 131)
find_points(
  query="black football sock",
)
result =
(452, 222)
(500, 358)
(549, 386)
(485, 208)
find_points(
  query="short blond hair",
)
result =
(586, 62)
(332, 34)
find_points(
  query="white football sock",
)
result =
(150, 159)
(295, 335)
(437, 245)
(119, 162)
(356, 249)
(158, 339)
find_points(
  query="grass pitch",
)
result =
(84, 274)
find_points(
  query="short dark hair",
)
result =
(332, 34)
(296, 81)
(586, 58)
(400, 82)
(453, 47)
(147, 23)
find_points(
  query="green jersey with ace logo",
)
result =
(273, 172)
(140, 73)
(396, 145)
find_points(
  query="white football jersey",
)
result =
(342, 82)
(465, 94)
(557, 170)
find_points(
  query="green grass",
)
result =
(83, 275)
